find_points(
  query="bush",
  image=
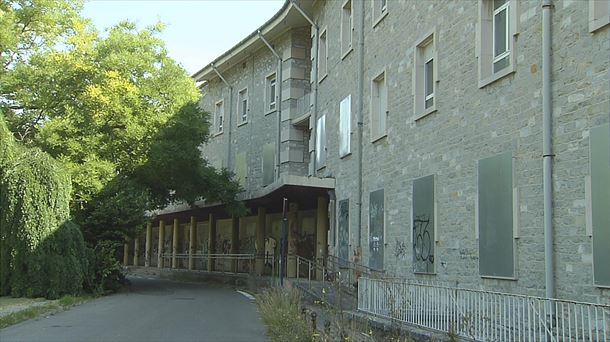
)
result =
(104, 273)
(43, 254)
(281, 312)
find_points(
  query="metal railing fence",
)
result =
(225, 263)
(347, 272)
(483, 315)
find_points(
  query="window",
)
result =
(322, 56)
(268, 163)
(380, 10)
(376, 229)
(347, 27)
(271, 95)
(424, 224)
(496, 225)
(219, 116)
(321, 142)
(242, 105)
(345, 129)
(599, 14)
(497, 21)
(425, 76)
(241, 168)
(600, 202)
(379, 107)
(343, 232)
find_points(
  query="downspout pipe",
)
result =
(547, 149)
(314, 70)
(360, 119)
(230, 121)
(278, 104)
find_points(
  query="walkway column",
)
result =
(192, 239)
(136, 251)
(148, 244)
(161, 244)
(321, 232)
(211, 241)
(125, 254)
(260, 241)
(175, 238)
(293, 230)
(234, 242)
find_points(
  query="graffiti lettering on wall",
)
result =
(401, 250)
(422, 244)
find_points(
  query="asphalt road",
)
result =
(153, 310)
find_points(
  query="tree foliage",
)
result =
(118, 113)
(42, 253)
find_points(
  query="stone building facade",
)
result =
(409, 137)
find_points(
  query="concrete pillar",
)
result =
(148, 246)
(161, 244)
(321, 232)
(293, 230)
(211, 241)
(234, 241)
(260, 241)
(175, 237)
(136, 251)
(192, 241)
(125, 254)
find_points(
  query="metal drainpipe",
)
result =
(314, 67)
(547, 147)
(278, 105)
(230, 115)
(360, 117)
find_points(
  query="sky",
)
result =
(197, 31)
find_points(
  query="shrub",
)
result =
(43, 254)
(281, 312)
(104, 273)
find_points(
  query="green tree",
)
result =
(122, 117)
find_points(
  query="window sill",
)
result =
(381, 17)
(424, 273)
(597, 24)
(426, 113)
(347, 52)
(499, 278)
(601, 286)
(270, 112)
(217, 134)
(242, 123)
(378, 138)
(322, 78)
(500, 74)
(345, 155)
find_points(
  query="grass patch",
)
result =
(281, 312)
(34, 311)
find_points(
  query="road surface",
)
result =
(152, 310)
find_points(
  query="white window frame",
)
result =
(347, 27)
(321, 144)
(322, 55)
(380, 11)
(379, 107)
(345, 126)
(242, 96)
(270, 104)
(427, 43)
(599, 14)
(219, 117)
(485, 51)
